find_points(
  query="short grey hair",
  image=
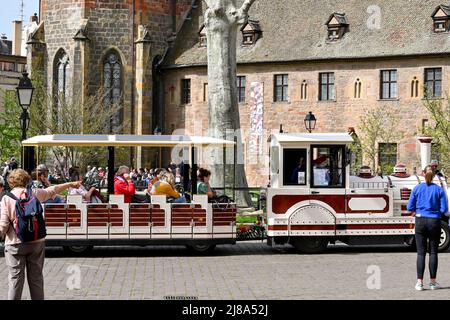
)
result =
(122, 170)
(2, 182)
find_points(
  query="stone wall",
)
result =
(111, 26)
(333, 116)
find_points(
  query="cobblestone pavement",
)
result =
(250, 270)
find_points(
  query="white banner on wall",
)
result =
(255, 144)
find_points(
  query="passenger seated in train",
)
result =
(92, 195)
(298, 175)
(157, 176)
(124, 185)
(203, 186)
(41, 182)
(166, 187)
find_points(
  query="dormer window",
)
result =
(202, 36)
(251, 32)
(441, 18)
(337, 26)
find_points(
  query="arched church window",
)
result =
(112, 70)
(61, 74)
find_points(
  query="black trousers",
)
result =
(428, 231)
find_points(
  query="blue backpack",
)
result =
(30, 217)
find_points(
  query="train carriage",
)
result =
(78, 226)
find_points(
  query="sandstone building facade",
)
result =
(334, 58)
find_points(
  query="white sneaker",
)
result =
(434, 286)
(419, 286)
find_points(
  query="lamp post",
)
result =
(310, 122)
(158, 132)
(25, 95)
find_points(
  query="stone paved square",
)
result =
(248, 270)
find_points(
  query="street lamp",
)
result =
(25, 95)
(310, 122)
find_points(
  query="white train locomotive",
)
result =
(313, 200)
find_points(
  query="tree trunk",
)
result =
(222, 20)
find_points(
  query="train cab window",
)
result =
(294, 167)
(328, 167)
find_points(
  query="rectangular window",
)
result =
(205, 92)
(387, 157)
(433, 82)
(281, 88)
(389, 84)
(241, 82)
(326, 86)
(440, 26)
(185, 91)
(294, 167)
(328, 167)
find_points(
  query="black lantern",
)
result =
(310, 122)
(25, 91)
(25, 95)
(24, 123)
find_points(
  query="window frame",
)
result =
(440, 21)
(185, 91)
(241, 89)
(284, 88)
(390, 82)
(343, 148)
(110, 98)
(433, 81)
(380, 144)
(328, 85)
(284, 183)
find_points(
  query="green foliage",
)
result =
(10, 131)
(439, 110)
(378, 125)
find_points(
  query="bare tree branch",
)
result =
(246, 6)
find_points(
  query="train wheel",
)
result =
(77, 249)
(444, 243)
(310, 245)
(203, 248)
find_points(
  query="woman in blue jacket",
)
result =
(428, 202)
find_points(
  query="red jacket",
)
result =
(123, 187)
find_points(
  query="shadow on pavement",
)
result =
(240, 249)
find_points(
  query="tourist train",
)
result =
(312, 200)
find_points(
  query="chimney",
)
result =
(17, 38)
(425, 150)
(34, 18)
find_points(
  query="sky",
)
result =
(10, 11)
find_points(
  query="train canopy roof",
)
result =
(313, 138)
(124, 141)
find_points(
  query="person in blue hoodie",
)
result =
(428, 202)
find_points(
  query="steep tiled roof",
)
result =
(295, 30)
(444, 8)
(340, 17)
